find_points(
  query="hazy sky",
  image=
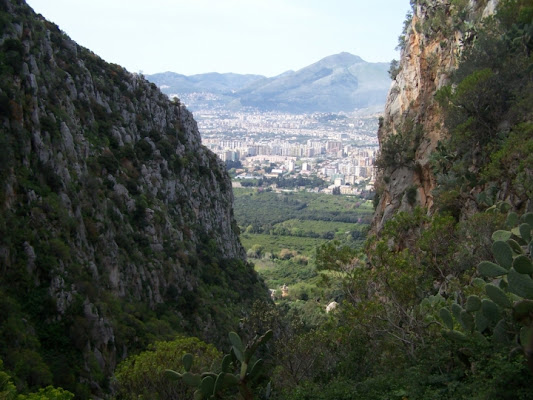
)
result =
(264, 37)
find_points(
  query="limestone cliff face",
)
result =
(107, 199)
(433, 39)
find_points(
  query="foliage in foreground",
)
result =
(143, 375)
(8, 391)
(238, 375)
(390, 329)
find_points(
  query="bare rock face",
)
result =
(109, 204)
(429, 55)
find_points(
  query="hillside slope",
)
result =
(440, 298)
(116, 224)
(341, 82)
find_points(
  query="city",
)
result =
(261, 146)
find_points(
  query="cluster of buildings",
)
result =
(339, 148)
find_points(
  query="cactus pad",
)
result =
(482, 322)
(512, 219)
(237, 346)
(446, 317)
(456, 310)
(207, 385)
(473, 303)
(523, 265)
(236, 341)
(191, 379)
(498, 296)
(525, 232)
(527, 218)
(467, 321)
(491, 270)
(187, 361)
(490, 310)
(256, 369)
(501, 235)
(522, 309)
(226, 361)
(503, 254)
(517, 249)
(454, 336)
(520, 284)
(500, 333)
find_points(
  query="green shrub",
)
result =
(143, 375)
(108, 161)
(399, 148)
(394, 69)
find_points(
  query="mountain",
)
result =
(171, 82)
(116, 224)
(341, 82)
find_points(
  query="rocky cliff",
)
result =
(116, 224)
(413, 122)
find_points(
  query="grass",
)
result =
(266, 209)
(278, 272)
(321, 227)
(274, 243)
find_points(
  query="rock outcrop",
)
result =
(113, 216)
(432, 42)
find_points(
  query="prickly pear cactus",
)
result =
(237, 371)
(506, 313)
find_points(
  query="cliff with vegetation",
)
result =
(446, 290)
(436, 37)
(116, 224)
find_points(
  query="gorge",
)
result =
(118, 245)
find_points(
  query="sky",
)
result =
(265, 37)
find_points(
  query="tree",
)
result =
(394, 69)
(144, 374)
(8, 390)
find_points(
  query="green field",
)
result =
(281, 232)
(275, 243)
(262, 210)
(298, 227)
(299, 221)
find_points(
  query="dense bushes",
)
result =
(487, 108)
(144, 374)
(399, 148)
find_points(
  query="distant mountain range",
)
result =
(341, 82)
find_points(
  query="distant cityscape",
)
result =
(293, 131)
(338, 148)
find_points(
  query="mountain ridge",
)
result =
(212, 80)
(340, 82)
